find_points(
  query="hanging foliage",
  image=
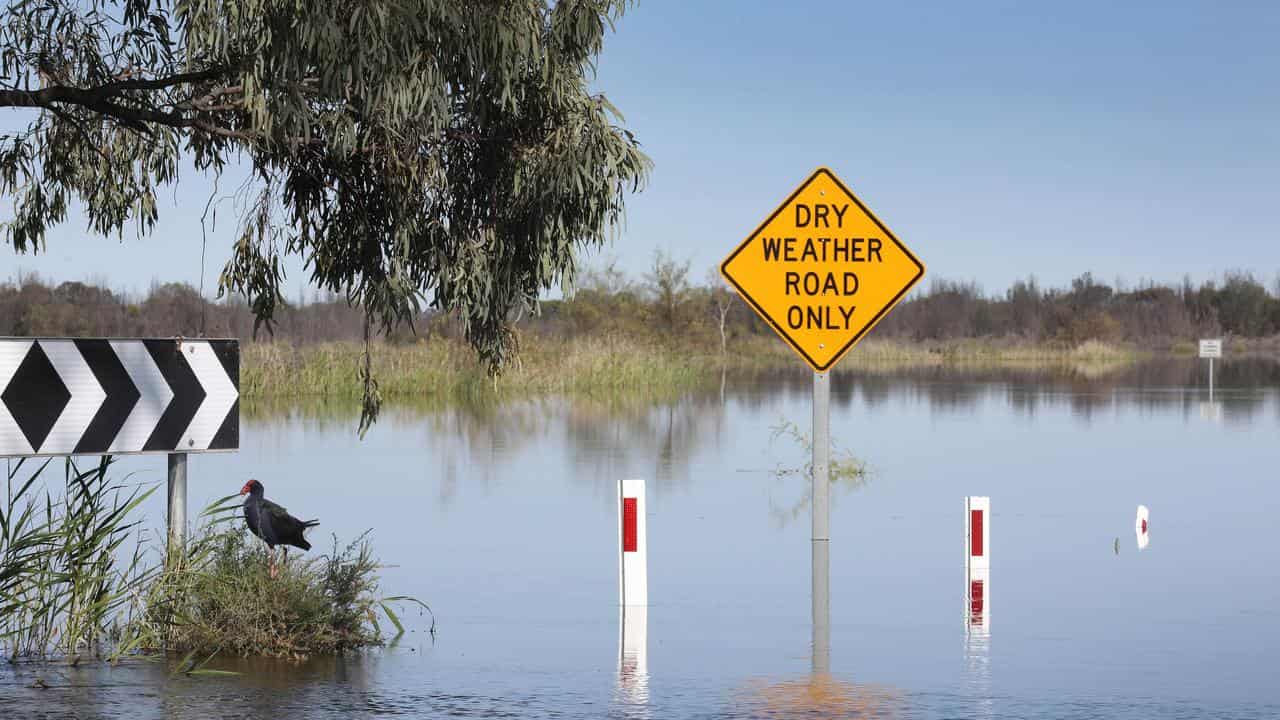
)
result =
(446, 152)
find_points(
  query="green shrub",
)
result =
(219, 596)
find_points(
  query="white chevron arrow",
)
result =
(12, 440)
(86, 397)
(220, 395)
(154, 392)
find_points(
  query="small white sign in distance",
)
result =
(1211, 348)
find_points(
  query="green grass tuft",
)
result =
(219, 597)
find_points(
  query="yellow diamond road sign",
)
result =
(822, 270)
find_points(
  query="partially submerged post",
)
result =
(633, 580)
(977, 564)
(633, 593)
(97, 396)
(821, 535)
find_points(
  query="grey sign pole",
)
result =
(177, 500)
(1211, 379)
(821, 523)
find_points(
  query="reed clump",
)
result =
(76, 581)
(446, 370)
(67, 579)
(218, 595)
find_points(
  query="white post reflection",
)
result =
(633, 660)
(1141, 527)
(977, 661)
(1211, 411)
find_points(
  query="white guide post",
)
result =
(633, 594)
(1141, 527)
(977, 564)
(633, 581)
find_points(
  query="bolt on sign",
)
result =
(822, 270)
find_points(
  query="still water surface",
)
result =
(503, 520)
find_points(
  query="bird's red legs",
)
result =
(272, 570)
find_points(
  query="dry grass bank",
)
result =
(443, 370)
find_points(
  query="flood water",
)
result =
(503, 519)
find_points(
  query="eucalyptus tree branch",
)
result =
(438, 152)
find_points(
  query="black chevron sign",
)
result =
(65, 396)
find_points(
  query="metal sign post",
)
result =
(822, 270)
(99, 396)
(177, 515)
(821, 539)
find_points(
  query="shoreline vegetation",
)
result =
(446, 369)
(81, 579)
(615, 337)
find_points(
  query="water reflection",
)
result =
(633, 661)
(665, 432)
(1211, 410)
(1149, 386)
(977, 665)
(817, 696)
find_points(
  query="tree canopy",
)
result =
(446, 152)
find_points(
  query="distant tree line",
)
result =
(31, 307)
(666, 303)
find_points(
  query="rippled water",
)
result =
(502, 518)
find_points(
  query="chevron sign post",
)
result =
(63, 396)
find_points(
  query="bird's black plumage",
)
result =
(271, 522)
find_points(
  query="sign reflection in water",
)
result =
(1141, 527)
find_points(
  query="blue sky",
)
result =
(997, 139)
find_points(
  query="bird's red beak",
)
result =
(247, 486)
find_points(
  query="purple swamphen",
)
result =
(273, 523)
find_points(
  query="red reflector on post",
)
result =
(975, 533)
(628, 524)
